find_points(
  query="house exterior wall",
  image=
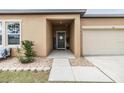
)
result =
(77, 37)
(72, 37)
(105, 41)
(37, 29)
(49, 37)
(31, 29)
(102, 21)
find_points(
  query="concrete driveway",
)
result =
(112, 66)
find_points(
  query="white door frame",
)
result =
(57, 39)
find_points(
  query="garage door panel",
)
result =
(103, 42)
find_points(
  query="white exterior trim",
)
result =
(119, 27)
(103, 27)
(4, 33)
(3, 36)
(12, 20)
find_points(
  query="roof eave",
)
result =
(105, 15)
(42, 11)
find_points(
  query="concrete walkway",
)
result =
(63, 71)
(113, 66)
(61, 54)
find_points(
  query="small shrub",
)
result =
(24, 59)
(26, 54)
(28, 47)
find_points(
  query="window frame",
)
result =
(5, 24)
(3, 36)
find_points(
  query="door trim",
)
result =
(57, 39)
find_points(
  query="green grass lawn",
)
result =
(23, 77)
(30, 77)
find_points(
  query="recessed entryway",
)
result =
(68, 23)
(62, 30)
(60, 35)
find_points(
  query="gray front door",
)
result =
(60, 40)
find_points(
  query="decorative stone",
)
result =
(12, 64)
(25, 69)
(19, 69)
(39, 69)
(33, 69)
(12, 69)
(4, 69)
(46, 68)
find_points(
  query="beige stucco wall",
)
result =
(49, 37)
(102, 21)
(72, 37)
(77, 37)
(37, 29)
(31, 29)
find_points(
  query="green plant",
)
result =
(27, 51)
(24, 59)
(28, 47)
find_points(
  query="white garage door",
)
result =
(103, 42)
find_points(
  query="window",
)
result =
(10, 33)
(0, 33)
(13, 32)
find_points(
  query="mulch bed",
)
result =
(80, 62)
